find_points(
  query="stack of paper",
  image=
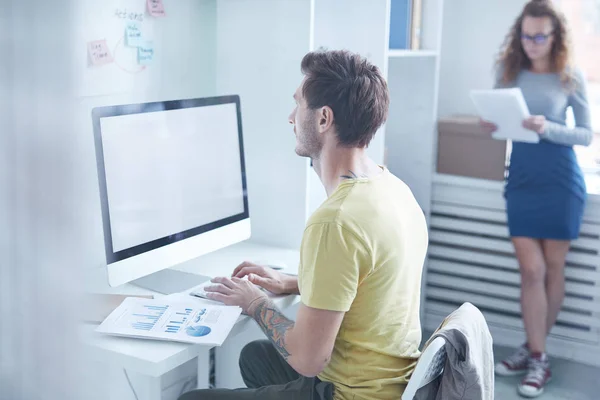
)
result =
(507, 109)
(174, 320)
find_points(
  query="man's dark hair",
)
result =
(352, 87)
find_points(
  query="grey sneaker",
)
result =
(516, 364)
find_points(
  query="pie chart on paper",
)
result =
(197, 331)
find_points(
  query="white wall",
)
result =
(411, 125)
(473, 31)
(413, 79)
(260, 45)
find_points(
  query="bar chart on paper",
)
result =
(147, 317)
(165, 318)
(177, 320)
(171, 320)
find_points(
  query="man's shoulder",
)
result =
(336, 216)
(331, 210)
(356, 199)
(329, 218)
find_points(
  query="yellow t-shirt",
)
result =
(362, 253)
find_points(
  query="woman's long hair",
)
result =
(512, 55)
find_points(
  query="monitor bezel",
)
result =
(120, 110)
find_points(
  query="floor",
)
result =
(571, 381)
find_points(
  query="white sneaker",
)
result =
(516, 364)
(538, 375)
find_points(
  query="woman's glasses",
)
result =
(537, 39)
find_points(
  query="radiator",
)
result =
(472, 259)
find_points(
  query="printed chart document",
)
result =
(507, 109)
(174, 320)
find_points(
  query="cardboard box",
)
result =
(464, 149)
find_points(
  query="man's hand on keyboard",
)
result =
(235, 292)
(274, 281)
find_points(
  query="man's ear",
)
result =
(325, 119)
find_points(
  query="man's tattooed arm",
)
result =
(274, 324)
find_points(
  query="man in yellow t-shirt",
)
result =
(357, 331)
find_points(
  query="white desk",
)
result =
(153, 359)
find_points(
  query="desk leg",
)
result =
(203, 368)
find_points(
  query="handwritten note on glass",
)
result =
(99, 53)
(156, 8)
(146, 54)
(133, 35)
(130, 15)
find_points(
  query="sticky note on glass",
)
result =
(99, 53)
(146, 54)
(156, 8)
(133, 35)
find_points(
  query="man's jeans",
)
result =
(268, 377)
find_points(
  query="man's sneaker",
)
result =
(514, 365)
(538, 375)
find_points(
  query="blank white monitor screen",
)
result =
(168, 171)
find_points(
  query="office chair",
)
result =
(429, 367)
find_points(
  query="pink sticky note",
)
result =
(156, 8)
(99, 53)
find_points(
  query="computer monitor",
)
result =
(172, 182)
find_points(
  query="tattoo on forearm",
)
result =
(274, 324)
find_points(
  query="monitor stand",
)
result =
(169, 281)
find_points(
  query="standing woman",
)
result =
(545, 190)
